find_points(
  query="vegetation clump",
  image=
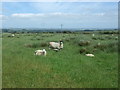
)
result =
(36, 45)
(84, 43)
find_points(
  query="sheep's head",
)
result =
(61, 43)
(35, 52)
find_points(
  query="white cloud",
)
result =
(99, 14)
(3, 17)
(25, 15)
(53, 20)
(55, 14)
(29, 15)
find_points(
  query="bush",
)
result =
(109, 32)
(43, 44)
(86, 32)
(9, 36)
(111, 47)
(94, 38)
(85, 51)
(36, 45)
(101, 47)
(84, 43)
(67, 32)
(98, 38)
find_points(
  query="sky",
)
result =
(53, 14)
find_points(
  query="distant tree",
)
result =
(22, 32)
(67, 32)
(14, 32)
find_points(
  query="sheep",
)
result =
(40, 52)
(90, 55)
(56, 45)
(56, 50)
(99, 44)
(13, 35)
(93, 34)
(116, 38)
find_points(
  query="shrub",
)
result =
(36, 45)
(67, 32)
(83, 50)
(37, 38)
(9, 36)
(94, 38)
(86, 32)
(111, 47)
(98, 38)
(101, 47)
(43, 44)
(84, 43)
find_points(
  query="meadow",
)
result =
(67, 68)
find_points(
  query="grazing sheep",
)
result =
(93, 34)
(90, 55)
(56, 45)
(116, 38)
(13, 35)
(99, 43)
(41, 52)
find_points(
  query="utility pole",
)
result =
(61, 26)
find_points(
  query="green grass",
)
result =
(64, 69)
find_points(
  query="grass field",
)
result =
(68, 68)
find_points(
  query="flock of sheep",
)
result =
(54, 45)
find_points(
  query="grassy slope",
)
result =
(67, 68)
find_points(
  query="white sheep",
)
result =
(13, 35)
(56, 45)
(56, 50)
(90, 55)
(116, 37)
(93, 34)
(41, 52)
(99, 44)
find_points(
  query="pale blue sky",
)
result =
(52, 14)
